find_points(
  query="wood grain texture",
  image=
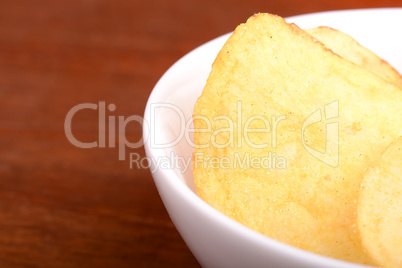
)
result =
(62, 206)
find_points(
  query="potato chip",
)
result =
(345, 46)
(380, 208)
(284, 130)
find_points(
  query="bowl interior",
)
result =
(170, 109)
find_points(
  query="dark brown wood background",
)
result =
(63, 206)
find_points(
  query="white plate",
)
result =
(215, 239)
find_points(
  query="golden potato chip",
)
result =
(380, 208)
(345, 46)
(284, 130)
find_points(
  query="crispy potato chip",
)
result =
(380, 208)
(284, 130)
(345, 46)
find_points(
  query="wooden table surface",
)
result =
(65, 206)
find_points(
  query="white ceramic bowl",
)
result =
(214, 239)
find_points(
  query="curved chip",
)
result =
(345, 46)
(380, 208)
(284, 130)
